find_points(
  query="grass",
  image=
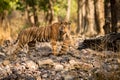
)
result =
(5, 34)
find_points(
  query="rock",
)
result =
(87, 66)
(2, 54)
(45, 75)
(34, 56)
(58, 76)
(38, 78)
(97, 64)
(58, 67)
(7, 68)
(68, 77)
(80, 65)
(30, 78)
(118, 60)
(84, 51)
(108, 53)
(31, 65)
(6, 62)
(44, 62)
(73, 62)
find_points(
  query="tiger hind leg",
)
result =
(16, 48)
(31, 46)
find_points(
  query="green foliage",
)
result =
(43, 5)
(7, 5)
(73, 10)
(20, 6)
(31, 2)
(60, 8)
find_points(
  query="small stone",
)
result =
(7, 68)
(38, 78)
(87, 66)
(3, 54)
(31, 65)
(58, 67)
(68, 77)
(44, 75)
(73, 62)
(82, 65)
(29, 78)
(44, 62)
(115, 67)
(6, 62)
(97, 64)
(84, 51)
(118, 60)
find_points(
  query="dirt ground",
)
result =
(40, 64)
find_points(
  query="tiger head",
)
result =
(64, 30)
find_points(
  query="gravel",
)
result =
(40, 64)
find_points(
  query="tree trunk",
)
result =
(68, 10)
(78, 17)
(4, 22)
(118, 14)
(28, 16)
(31, 13)
(81, 16)
(99, 16)
(50, 12)
(114, 15)
(107, 10)
(1, 19)
(90, 18)
(36, 23)
(35, 16)
(107, 26)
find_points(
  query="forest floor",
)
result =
(40, 64)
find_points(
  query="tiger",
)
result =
(56, 32)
